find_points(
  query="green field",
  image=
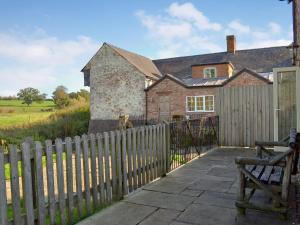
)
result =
(13, 113)
(41, 121)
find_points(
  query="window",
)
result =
(203, 103)
(210, 72)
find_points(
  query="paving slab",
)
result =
(161, 217)
(122, 213)
(191, 192)
(172, 186)
(212, 185)
(161, 200)
(208, 215)
(225, 200)
(223, 172)
(180, 223)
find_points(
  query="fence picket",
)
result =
(69, 167)
(94, 171)
(113, 165)
(129, 157)
(50, 181)
(86, 174)
(3, 198)
(100, 167)
(27, 183)
(143, 154)
(78, 175)
(107, 167)
(134, 158)
(60, 180)
(39, 183)
(146, 155)
(155, 151)
(119, 164)
(150, 152)
(124, 163)
(139, 161)
(15, 186)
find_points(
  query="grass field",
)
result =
(13, 113)
(41, 121)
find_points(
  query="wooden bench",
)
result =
(271, 172)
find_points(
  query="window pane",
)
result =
(190, 104)
(199, 104)
(212, 73)
(209, 103)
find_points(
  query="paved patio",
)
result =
(201, 192)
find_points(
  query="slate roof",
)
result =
(261, 60)
(198, 82)
(143, 64)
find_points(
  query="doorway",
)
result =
(164, 108)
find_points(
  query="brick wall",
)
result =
(177, 97)
(245, 79)
(223, 70)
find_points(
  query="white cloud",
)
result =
(162, 28)
(187, 11)
(274, 27)
(181, 31)
(42, 61)
(236, 26)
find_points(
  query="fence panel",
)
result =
(245, 114)
(65, 181)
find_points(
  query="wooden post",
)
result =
(241, 190)
(296, 29)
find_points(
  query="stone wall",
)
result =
(116, 86)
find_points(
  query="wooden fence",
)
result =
(63, 181)
(245, 114)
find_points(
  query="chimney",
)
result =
(231, 44)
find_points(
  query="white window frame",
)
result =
(209, 68)
(204, 100)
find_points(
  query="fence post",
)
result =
(168, 146)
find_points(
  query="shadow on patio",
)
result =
(201, 192)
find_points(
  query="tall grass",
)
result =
(66, 122)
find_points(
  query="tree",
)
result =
(84, 94)
(60, 97)
(30, 95)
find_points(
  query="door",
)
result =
(164, 108)
(286, 91)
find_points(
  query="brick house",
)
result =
(123, 82)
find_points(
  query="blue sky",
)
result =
(44, 44)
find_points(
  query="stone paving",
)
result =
(201, 192)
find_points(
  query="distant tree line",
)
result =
(60, 96)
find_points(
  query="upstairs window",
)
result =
(203, 103)
(210, 72)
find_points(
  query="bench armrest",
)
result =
(251, 161)
(271, 143)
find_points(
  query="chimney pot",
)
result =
(231, 44)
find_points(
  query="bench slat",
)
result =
(266, 175)
(276, 176)
(250, 168)
(258, 171)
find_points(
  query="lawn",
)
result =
(13, 113)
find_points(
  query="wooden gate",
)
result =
(245, 114)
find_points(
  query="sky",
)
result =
(44, 44)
